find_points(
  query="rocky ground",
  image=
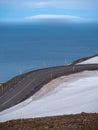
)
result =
(81, 121)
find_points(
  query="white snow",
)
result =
(71, 94)
(93, 60)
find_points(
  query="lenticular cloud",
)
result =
(50, 16)
(55, 17)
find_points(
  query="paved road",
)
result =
(28, 84)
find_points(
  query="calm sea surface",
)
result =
(24, 47)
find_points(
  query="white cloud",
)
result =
(42, 4)
(65, 18)
(52, 16)
(68, 4)
(38, 4)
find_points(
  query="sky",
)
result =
(22, 10)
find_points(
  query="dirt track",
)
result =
(82, 121)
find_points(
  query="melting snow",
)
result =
(65, 95)
(93, 60)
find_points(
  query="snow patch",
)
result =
(71, 94)
(93, 60)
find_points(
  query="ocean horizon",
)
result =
(29, 46)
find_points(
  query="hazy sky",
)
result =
(20, 10)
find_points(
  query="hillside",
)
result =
(82, 121)
(90, 59)
(70, 90)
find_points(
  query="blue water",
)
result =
(28, 46)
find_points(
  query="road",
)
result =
(26, 85)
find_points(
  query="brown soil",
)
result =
(5, 84)
(81, 121)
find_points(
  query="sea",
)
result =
(29, 46)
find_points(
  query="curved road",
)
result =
(28, 84)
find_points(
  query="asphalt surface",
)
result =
(26, 85)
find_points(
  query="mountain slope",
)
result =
(70, 94)
(66, 95)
